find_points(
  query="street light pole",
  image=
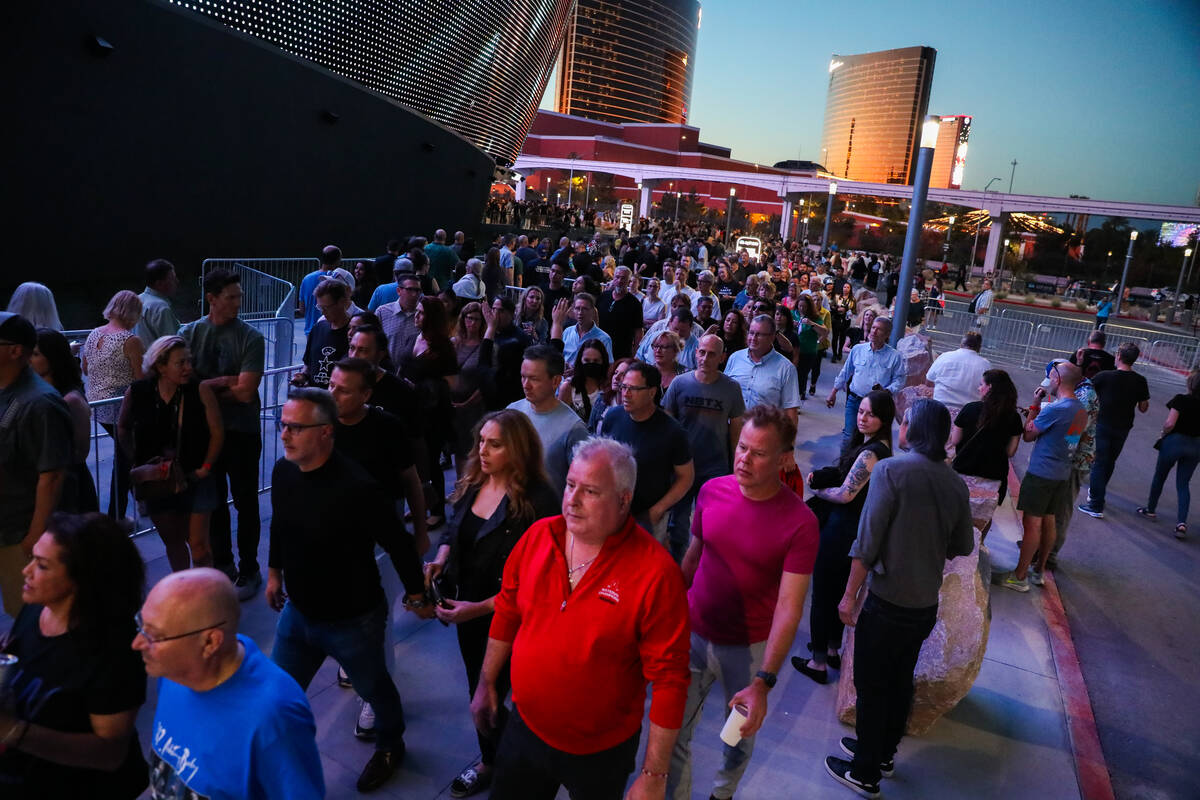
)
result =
(946, 244)
(729, 213)
(912, 239)
(828, 214)
(1124, 274)
(1179, 285)
(975, 247)
(1013, 175)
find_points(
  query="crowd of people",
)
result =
(626, 511)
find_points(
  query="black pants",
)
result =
(816, 369)
(839, 338)
(806, 364)
(237, 466)
(529, 769)
(118, 486)
(887, 642)
(830, 574)
(472, 643)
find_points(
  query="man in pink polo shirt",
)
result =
(748, 567)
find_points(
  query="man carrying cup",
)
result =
(754, 544)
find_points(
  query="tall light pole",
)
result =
(912, 239)
(1012, 175)
(587, 191)
(828, 214)
(946, 244)
(1124, 274)
(676, 202)
(1003, 253)
(729, 213)
(547, 188)
(571, 179)
(1179, 285)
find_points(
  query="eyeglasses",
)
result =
(298, 427)
(139, 624)
(661, 347)
(625, 387)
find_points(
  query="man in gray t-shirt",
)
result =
(229, 357)
(709, 406)
(557, 425)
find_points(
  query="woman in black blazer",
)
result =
(502, 492)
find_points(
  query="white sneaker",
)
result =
(364, 726)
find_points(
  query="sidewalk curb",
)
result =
(1091, 770)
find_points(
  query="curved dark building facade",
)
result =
(478, 67)
(625, 61)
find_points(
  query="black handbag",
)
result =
(161, 476)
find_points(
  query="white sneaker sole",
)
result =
(849, 784)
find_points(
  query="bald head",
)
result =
(1069, 375)
(199, 594)
(712, 342)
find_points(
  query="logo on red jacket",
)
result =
(611, 593)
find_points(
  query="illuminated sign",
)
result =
(627, 216)
(751, 244)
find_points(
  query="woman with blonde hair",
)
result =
(474, 346)
(667, 346)
(169, 414)
(502, 492)
(531, 315)
(112, 360)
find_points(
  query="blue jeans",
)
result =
(1109, 443)
(852, 401)
(679, 531)
(301, 646)
(1183, 450)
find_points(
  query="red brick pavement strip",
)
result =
(1090, 767)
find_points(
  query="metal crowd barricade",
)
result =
(289, 270)
(1176, 356)
(272, 392)
(1003, 339)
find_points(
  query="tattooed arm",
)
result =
(856, 479)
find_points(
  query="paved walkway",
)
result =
(1008, 734)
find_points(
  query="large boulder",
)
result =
(953, 654)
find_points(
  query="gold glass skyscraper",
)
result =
(873, 113)
(626, 61)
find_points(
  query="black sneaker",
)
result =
(839, 770)
(379, 768)
(849, 746)
(470, 781)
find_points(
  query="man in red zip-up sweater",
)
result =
(591, 609)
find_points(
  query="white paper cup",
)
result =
(731, 734)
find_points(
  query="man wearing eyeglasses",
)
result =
(766, 376)
(334, 604)
(228, 722)
(399, 320)
(35, 450)
(660, 444)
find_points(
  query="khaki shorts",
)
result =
(1040, 497)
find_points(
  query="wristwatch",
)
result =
(769, 678)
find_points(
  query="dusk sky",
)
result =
(1091, 97)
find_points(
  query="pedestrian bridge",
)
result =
(790, 186)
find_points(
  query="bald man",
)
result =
(1055, 429)
(229, 722)
(709, 406)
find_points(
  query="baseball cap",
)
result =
(15, 329)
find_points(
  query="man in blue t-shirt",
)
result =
(229, 724)
(1055, 430)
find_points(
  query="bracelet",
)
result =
(650, 774)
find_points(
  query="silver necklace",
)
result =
(571, 576)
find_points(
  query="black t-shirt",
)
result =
(620, 319)
(552, 298)
(659, 444)
(325, 524)
(399, 398)
(60, 681)
(1092, 361)
(324, 348)
(380, 445)
(1188, 407)
(985, 454)
(1119, 391)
